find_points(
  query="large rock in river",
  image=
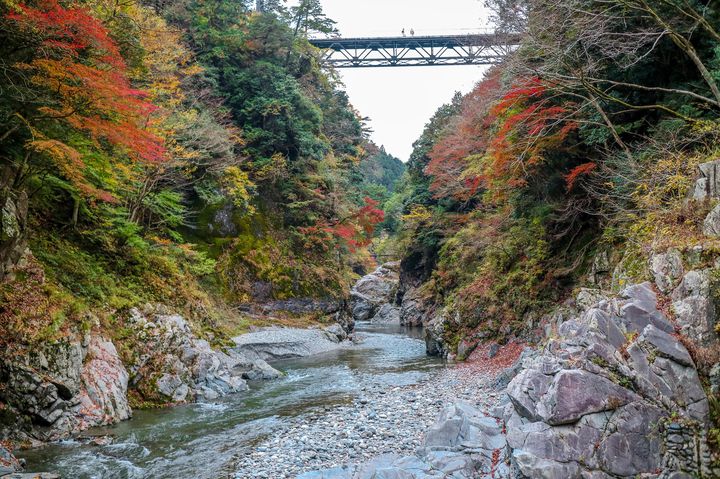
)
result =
(65, 387)
(374, 290)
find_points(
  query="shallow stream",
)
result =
(202, 440)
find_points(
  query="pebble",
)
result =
(382, 421)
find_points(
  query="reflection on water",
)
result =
(199, 440)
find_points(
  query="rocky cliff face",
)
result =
(169, 364)
(615, 394)
(64, 388)
(13, 225)
(69, 386)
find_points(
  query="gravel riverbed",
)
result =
(380, 420)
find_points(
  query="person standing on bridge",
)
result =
(403, 32)
(412, 32)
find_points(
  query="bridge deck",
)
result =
(483, 39)
(471, 49)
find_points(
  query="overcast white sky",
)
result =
(399, 101)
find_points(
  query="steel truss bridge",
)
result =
(472, 49)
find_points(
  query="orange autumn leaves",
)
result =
(78, 73)
(498, 140)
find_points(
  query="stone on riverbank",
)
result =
(616, 394)
(601, 398)
(173, 365)
(387, 314)
(285, 343)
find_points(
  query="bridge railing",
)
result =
(422, 33)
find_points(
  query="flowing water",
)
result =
(200, 440)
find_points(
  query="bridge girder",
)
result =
(476, 49)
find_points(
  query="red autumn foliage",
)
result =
(496, 143)
(78, 70)
(450, 156)
(529, 125)
(70, 30)
(354, 231)
(580, 170)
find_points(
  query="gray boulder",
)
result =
(434, 337)
(103, 396)
(285, 343)
(596, 402)
(66, 387)
(640, 310)
(708, 184)
(374, 290)
(587, 297)
(667, 269)
(176, 366)
(414, 310)
(8, 462)
(13, 227)
(694, 307)
(711, 223)
(387, 314)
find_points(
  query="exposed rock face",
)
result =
(414, 309)
(103, 396)
(599, 400)
(13, 225)
(711, 224)
(66, 387)
(601, 269)
(374, 290)
(667, 269)
(417, 310)
(387, 314)
(8, 462)
(434, 336)
(708, 185)
(175, 366)
(694, 307)
(285, 343)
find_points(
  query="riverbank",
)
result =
(208, 440)
(381, 420)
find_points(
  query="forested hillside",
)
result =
(583, 143)
(582, 164)
(188, 153)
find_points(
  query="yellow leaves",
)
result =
(666, 182)
(192, 70)
(11, 5)
(237, 185)
(274, 170)
(67, 157)
(418, 214)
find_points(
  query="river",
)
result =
(203, 440)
